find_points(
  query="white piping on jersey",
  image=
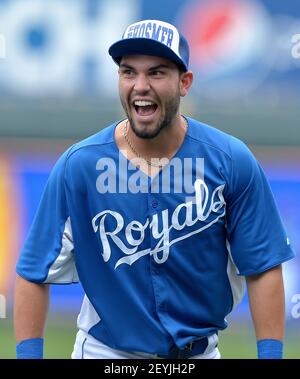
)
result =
(88, 316)
(237, 283)
(63, 269)
(204, 209)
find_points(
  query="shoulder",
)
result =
(79, 154)
(102, 138)
(217, 140)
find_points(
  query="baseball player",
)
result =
(162, 219)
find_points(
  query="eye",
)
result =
(127, 72)
(156, 73)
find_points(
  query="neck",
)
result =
(165, 144)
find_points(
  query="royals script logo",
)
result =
(206, 205)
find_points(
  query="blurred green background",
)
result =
(236, 342)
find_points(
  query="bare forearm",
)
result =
(266, 299)
(30, 310)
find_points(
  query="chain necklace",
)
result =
(133, 149)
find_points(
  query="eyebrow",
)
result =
(124, 65)
(160, 66)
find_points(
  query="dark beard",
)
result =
(171, 109)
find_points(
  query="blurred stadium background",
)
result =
(58, 85)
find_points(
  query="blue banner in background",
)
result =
(238, 47)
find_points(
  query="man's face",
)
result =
(149, 90)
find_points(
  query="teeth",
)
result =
(143, 103)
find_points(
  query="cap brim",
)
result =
(143, 46)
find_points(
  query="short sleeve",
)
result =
(255, 232)
(48, 252)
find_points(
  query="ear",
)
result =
(186, 80)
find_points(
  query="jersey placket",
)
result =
(155, 208)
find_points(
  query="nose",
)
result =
(141, 83)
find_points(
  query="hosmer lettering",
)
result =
(156, 31)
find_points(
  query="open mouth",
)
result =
(145, 107)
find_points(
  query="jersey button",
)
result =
(154, 204)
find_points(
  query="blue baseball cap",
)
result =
(153, 37)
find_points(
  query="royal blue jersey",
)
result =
(161, 260)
